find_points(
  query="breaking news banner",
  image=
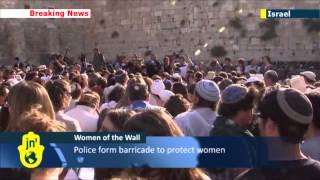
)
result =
(45, 13)
(289, 13)
(132, 150)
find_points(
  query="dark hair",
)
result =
(159, 123)
(76, 90)
(110, 80)
(153, 123)
(167, 84)
(267, 58)
(4, 90)
(217, 79)
(272, 75)
(204, 103)
(177, 104)
(191, 88)
(314, 97)
(102, 82)
(290, 131)
(7, 73)
(58, 92)
(227, 59)
(179, 88)
(116, 94)
(224, 84)
(4, 118)
(117, 117)
(138, 91)
(31, 75)
(231, 110)
(224, 75)
(198, 76)
(81, 80)
(121, 77)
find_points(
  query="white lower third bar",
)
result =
(45, 13)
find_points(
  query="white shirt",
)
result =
(86, 116)
(197, 122)
(183, 71)
(108, 105)
(72, 125)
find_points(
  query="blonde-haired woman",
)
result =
(22, 97)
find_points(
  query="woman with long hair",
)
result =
(60, 95)
(159, 123)
(25, 95)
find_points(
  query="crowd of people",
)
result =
(172, 97)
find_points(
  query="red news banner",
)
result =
(45, 13)
(59, 13)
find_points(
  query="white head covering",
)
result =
(157, 86)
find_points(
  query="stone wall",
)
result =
(161, 27)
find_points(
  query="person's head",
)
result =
(227, 60)
(159, 123)
(266, 60)
(4, 91)
(138, 92)
(82, 58)
(179, 88)
(177, 104)
(314, 98)
(101, 82)
(241, 62)
(37, 121)
(60, 94)
(90, 99)
(217, 79)
(309, 77)
(271, 78)
(237, 103)
(198, 76)
(223, 74)
(182, 59)
(116, 94)
(206, 94)
(166, 61)
(95, 50)
(81, 80)
(285, 113)
(153, 123)
(114, 120)
(76, 90)
(121, 77)
(224, 84)
(23, 96)
(9, 74)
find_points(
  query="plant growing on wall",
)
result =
(148, 53)
(236, 23)
(115, 34)
(311, 25)
(269, 27)
(218, 51)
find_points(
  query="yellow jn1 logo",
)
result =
(31, 150)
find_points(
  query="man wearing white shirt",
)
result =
(85, 111)
(199, 121)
